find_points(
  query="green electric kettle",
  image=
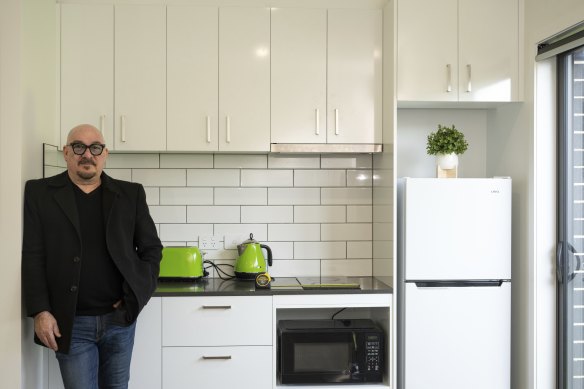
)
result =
(251, 259)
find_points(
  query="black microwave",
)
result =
(330, 351)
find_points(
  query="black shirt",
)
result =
(100, 284)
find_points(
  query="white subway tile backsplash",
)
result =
(320, 214)
(295, 268)
(359, 178)
(359, 249)
(320, 178)
(168, 214)
(213, 214)
(320, 250)
(213, 177)
(287, 161)
(241, 161)
(358, 231)
(359, 214)
(119, 174)
(294, 232)
(160, 177)
(267, 214)
(152, 195)
(346, 196)
(293, 196)
(186, 196)
(126, 161)
(259, 231)
(346, 267)
(186, 161)
(266, 178)
(315, 211)
(347, 161)
(241, 196)
(184, 232)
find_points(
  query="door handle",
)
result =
(224, 357)
(216, 307)
(208, 129)
(448, 78)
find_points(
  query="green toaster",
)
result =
(181, 264)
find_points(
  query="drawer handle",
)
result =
(216, 306)
(217, 357)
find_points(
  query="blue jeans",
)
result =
(100, 354)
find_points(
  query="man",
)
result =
(90, 262)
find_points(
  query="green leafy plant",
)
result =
(446, 140)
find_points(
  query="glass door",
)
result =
(570, 250)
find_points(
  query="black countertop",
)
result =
(280, 286)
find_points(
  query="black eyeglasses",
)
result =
(79, 148)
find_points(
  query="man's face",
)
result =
(85, 166)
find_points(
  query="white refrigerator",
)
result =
(454, 283)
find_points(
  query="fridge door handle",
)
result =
(458, 284)
(559, 250)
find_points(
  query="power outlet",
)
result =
(209, 242)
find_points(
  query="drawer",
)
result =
(217, 367)
(217, 321)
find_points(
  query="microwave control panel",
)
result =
(373, 357)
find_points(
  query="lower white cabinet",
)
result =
(217, 367)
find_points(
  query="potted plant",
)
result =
(446, 144)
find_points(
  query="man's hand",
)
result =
(46, 328)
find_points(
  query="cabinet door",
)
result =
(217, 367)
(140, 77)
(427, 52)
(192, 90)
(298, 75)
(488, 50)
(87, 68)
(244, 79)
(354, 76)
(146, 367)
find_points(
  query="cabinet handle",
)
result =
(216, 306)
(101, 123)
(216, 356)
(448, 78)
(123, 120)
(336, 121)
(228, 127)
(317, 121)
(208, 129)
(468, 74)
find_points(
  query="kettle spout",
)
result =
(240, 249)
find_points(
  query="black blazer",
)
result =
(51, 250)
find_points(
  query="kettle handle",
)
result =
(269, 250)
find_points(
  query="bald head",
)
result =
(81, 130)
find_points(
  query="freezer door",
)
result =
(456, 228)
(456, 337)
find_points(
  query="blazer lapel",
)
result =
(109, 194)
(65, 197)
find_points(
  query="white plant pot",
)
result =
(447, 161)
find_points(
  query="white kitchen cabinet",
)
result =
(192, 89)
(244, 79)
(326, 75)
(458, 50)
(87, 68)
(140, 77)
(146, 365)
(217, 367)
(354, 78)
(298, 75)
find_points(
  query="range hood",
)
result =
(325, 148)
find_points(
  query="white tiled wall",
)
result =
(314, 211)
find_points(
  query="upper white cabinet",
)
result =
(299, 75)
(192, 89)
(326, 75)
(140, 77)
(354, 78)
(244, 79)
(458, 50)
(87, 68)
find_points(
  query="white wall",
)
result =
(10, 195)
